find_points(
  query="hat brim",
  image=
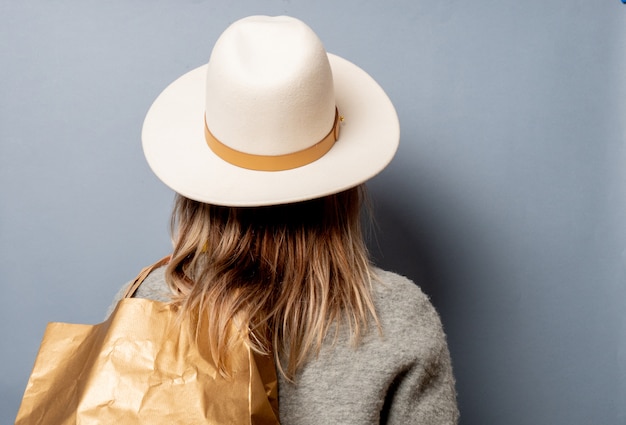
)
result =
(177, 152)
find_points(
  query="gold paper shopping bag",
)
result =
(140, 367)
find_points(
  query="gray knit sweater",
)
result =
(401, 377)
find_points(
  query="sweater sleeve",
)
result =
(422, 389)
(116, 299)
(423, 394)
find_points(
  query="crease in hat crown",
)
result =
(269, 87)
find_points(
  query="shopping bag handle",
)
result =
(132, 288)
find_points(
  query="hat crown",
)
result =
(269, 87)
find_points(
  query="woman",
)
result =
(266, 228)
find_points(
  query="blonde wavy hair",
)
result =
(290, 272)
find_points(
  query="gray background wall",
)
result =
(506, 201)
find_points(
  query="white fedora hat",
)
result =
(271, 119)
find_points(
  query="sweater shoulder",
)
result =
(405, 311)
(394, 290)
(155, 287)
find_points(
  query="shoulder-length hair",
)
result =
(289, 273)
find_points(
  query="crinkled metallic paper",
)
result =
(139, 367)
